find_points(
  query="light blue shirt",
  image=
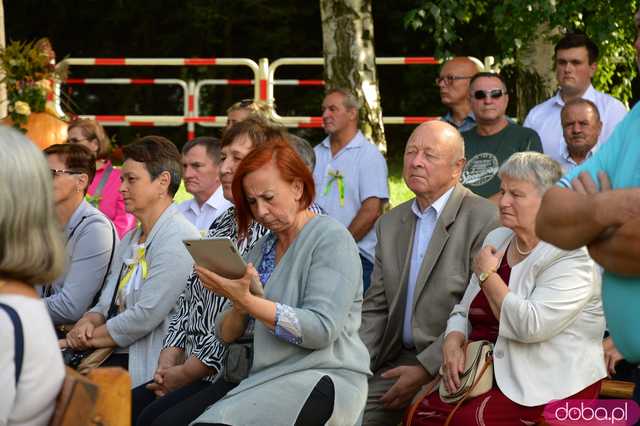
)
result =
(364, 174)
(620, 159)
(468, 123)
(425, 224)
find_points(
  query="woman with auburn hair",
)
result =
(186, 380)
(150, 268)
(306, 347)
(103, 190)
(31, 252)
(90, 237)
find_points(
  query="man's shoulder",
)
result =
(541, 110)
(396, 214)
(476, 208)
(608, 101)
(521, 131)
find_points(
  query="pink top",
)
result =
(111, 202)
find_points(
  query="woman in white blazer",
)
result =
(540, 305)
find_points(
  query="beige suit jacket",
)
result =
(445, 272)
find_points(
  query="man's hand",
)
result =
(410, 379)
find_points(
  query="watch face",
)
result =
(483, 276)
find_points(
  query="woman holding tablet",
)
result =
(192, 356)
(305, 330)
(150, 268)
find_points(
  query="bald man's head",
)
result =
(433, 160)
(453, 81)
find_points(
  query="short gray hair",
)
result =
(349, 99)
(539, 169)
(31, 244)
(304, 150)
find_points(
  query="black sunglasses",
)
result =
(493, 94)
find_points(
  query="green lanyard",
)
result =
(339, 179)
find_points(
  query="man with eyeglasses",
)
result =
(575, 63)
(453, 83)
(495, 138)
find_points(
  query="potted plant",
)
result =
(29, 74)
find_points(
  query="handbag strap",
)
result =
(103, 181)
(18, 338)
(487, 362)
(428, 390)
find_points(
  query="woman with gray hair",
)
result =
(31, 251)
(539, 305)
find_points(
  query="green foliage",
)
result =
(510, 25)
(27, 73)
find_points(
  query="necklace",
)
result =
(522, 252)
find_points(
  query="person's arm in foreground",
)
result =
(607, 221)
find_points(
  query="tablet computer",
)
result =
(221, 256)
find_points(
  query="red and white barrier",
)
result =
(263, 83)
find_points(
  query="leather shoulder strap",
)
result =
(18, 338)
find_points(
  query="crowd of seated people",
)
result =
(298, 339)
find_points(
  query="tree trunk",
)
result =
(3, 86)
(349, 57)
(535, 78)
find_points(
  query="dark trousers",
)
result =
(176, 408)
(315, 411)
(367, 269)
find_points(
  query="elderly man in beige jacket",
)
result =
(422, 267)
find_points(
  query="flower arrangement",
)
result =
(29, 72)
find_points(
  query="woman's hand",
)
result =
(236, 290)
(487, 259)
(453, 358)
(78, 337)
(173, 378)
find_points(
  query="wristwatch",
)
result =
(485, 276)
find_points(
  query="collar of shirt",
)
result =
(437, 205)
(76, 217)
(448, 117)
(355, 142)
(566, 157)
(589, 94)
(216, 201)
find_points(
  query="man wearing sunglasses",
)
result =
(453, 83)
(576, 58)
(494, 138)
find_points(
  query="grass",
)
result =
(399, 192)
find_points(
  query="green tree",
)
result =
(349, 57)
(520, 29)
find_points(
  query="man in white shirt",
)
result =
(575, 62)
(581, 128)
(350, 174)
(200, 161)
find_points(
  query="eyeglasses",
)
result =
(493, 94)
(60, 172)
(74, 140)
(245, 102)
(449, 79)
